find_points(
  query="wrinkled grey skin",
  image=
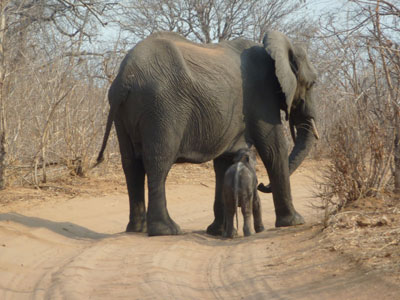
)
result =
(176, 101)
(240, 190)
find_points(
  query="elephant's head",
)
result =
(296, 76)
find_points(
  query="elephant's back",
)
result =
(170, 58)
(239, 178)
(151, 62)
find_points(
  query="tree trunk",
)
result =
(397, 155)
(384, 45)
(3, 155)
(3, 137)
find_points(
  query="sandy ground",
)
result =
(75, 248)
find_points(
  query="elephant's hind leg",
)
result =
(229, 214)
(247, 210)
(160, 150)
(135, 182)
(134, 175)
(257, 218)
(158, 220)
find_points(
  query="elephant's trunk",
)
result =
(306, 134)
(303, 141)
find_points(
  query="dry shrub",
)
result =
(360, 79)
(55, 122)
(359, 158)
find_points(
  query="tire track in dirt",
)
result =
(74, 250)
(133, 267)
(196, 266)
(27, 271)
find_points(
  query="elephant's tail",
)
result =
(239, 168)
(114, 105)
(110, 119)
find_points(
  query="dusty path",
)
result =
(75, 249)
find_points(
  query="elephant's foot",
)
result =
(247, 232)
(163, 228)
(289, 220)
(136, 226)
(230, 233)
(259, 228)
(216, 228)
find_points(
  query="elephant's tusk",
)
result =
(314, 129)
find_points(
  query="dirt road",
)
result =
(76, 249)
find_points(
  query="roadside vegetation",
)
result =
(361, 111)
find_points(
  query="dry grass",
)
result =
(367, 232)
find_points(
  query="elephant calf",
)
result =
(240, 190)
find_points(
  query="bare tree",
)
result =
(384, 34)
(3, 130)
(208, 21)
(43, 58)
(360, 81)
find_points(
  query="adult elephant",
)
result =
(176, 101)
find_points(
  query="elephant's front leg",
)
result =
(274, 154)
(220, 167)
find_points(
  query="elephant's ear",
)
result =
(281, 50)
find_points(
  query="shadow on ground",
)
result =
(66, 229)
